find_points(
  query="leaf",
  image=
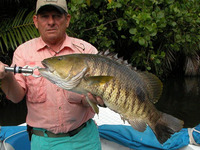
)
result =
(18, 36)
(173, 24)
(133, 31)
(10, 40)
(148, 68)
(17, 30)
(13, 38)
(157, 61)
(1, 47)
(160, 14)
(88, 2)
(123, 36)
(142, 41)
(4, 38)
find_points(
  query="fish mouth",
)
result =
(46, 67)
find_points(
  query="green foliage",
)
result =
(14, 31)
(93, 23)
(153, 35)
(149, 33)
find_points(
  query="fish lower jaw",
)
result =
(50, 70)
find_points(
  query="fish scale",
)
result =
(113, 91)
(128, 92)
(112, 97)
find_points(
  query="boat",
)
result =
(114, 134)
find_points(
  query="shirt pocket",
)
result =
(36, 92)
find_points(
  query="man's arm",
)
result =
(10, 86)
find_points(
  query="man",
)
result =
(60, 119)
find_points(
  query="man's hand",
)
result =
(2, 70)
(95, 99)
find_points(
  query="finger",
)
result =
(2, 66)
(84, 101)
(99, 101)
(92, 98)
(2, 70)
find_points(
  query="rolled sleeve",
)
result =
(19, 61)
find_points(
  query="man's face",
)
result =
(52, 25)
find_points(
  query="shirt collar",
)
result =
(68, 42)
(40, 44)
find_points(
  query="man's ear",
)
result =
(35, 20)
(68, 20)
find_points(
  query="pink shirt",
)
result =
(49, 106)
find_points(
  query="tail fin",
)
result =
(166, 126)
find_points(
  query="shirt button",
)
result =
(62, 124)
(60, 107)
(58, 90)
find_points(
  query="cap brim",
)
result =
(51, 7)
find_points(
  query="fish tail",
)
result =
(166, 126)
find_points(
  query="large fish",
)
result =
(130, 93)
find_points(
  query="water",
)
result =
(180, 98)
(12, 114)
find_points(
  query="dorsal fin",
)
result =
(153, 85)
(114, 56)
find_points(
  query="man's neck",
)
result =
(55, 45)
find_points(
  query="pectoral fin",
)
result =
(93, 105)
(123, 119)
(98, 79)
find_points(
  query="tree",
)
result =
(16, 26)
(155, 35)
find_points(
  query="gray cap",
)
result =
(61, 5)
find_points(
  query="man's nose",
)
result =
(51, 20)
